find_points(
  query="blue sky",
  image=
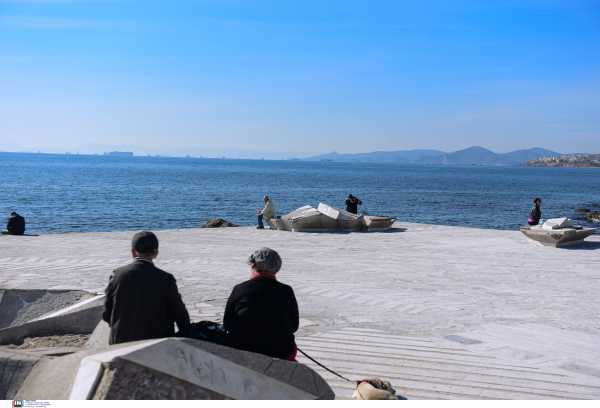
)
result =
(302, 75)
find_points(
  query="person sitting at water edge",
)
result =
(15, 225)
(261, 314)
(266, 213)
(352, 204)
(142, 301)
(535, 214)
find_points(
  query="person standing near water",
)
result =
(535, 214)
(267, 212)
(352, 204)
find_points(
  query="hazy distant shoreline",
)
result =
(474, 155)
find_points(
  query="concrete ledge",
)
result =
(14, 368)
(171, 368)
(77, 322)
(99, 337)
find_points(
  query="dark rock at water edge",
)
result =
(583, 210)
(593, 216)
(218, 223)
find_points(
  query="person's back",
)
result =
(142, 302)
(262, 316)
(269, 210)
(16, 224)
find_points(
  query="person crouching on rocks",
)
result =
(266, 213)
(142, 301)
(261, 314)
(535, 214)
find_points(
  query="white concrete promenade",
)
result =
(441, 312)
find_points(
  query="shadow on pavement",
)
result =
(586, 246)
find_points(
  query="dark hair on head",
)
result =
(13, 213)
(536, 200)
(349, 195)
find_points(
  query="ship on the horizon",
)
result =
(326, 159)
(118, 154)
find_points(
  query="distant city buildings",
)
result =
(570, 160)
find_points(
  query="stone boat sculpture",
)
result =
(557, 232)
(326, 219)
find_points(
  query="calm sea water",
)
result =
(65, 193)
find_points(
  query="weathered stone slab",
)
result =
(14, 368)
(99, 337)
(19, 306)
(172, 369)
(557, 237)
(77, 321)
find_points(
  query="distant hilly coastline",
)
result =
(474, 155)
(471, 156)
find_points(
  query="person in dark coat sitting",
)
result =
(15, 225)
(535, 214)
(261, 314)
(352, 204)
(142, 301)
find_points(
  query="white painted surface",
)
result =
(557, 223)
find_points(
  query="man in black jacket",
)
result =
(142, 301)
(352, 204)
(15, 225)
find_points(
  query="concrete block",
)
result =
(78, 321)
(124, 380)
(18, 307)
(172, 369)
(14, 368)
(557, 237)
(557, 223)
(99, 337)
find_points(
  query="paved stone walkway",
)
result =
(442, 312)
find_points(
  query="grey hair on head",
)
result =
(265, 259)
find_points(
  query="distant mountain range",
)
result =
(472, 155)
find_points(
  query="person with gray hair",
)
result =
(262, 314)
(266, 213)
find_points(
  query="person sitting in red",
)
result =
(261, 314)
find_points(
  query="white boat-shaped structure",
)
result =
(326, 218)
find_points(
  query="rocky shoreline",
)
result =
(553, 164)
(593, 215)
